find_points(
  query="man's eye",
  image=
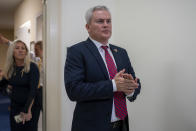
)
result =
(100, 21)
(108, 21)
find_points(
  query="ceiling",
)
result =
(7, 8)
(7, 5)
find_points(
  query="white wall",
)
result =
(53, 66)
(159, 37)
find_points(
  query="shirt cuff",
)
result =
(130, 95)
(115, 89)
(114, 86)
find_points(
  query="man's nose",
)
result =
(105, 23)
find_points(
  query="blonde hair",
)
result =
(10, 61)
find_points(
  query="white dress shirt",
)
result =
(102, 53)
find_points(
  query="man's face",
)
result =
(100, 26)
(38, 51)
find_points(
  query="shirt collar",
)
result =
(98, 44)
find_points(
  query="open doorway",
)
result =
(20, 19)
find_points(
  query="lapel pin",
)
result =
(115, 50)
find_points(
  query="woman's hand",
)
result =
(3, 40)
(26, 116)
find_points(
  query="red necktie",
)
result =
(119, 97)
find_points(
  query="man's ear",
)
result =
(87, 27)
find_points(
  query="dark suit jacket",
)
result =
(87, 82)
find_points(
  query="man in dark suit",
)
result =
(99, 77)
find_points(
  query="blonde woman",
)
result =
(23, 76)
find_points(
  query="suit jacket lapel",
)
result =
(91, 46)
(117, 58)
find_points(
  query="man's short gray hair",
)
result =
(89, 12)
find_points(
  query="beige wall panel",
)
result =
(3, 52)
(9, 34)
(28, 10)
